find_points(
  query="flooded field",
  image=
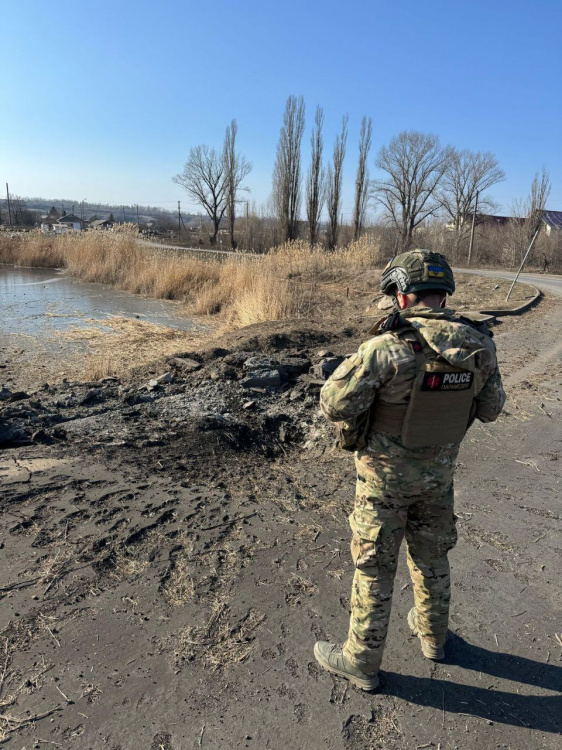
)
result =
(53, 326)
(38, 301)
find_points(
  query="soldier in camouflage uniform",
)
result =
(403, 404)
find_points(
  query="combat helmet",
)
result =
(416, 271)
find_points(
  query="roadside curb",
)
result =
(518, 310)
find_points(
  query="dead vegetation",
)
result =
(118, 343)
(219, 643)
(13, 684)
(285, 283)
(292, 283)
(297, 588)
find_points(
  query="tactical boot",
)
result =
(331, 657)
(429, 649)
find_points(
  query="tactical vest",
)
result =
(440, 408)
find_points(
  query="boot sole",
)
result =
(435, 653)
(364, 683)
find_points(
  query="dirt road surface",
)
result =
(172, 551)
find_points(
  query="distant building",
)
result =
(47, 223)
(102, 224)
(68, 222)
(552, 221)
(494, 220)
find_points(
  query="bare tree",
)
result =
(467, 176)
(536, 202)
(527, 216)
(18, 213)
(287, 171)
(315, 178)
(204, 179)
(362, 178)
(236, 169)
(414, 163)
(334, 185)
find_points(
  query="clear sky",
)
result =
(102, 100)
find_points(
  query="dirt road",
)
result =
(172, 551)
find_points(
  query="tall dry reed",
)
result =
(285, 283)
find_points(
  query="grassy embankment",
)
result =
(293, 281)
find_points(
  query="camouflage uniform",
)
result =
(403, 491)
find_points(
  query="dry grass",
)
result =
(179, 587)
(219, 643)
(298, 588)
(127, 566)
(100, 366)
(129, 343)
(288, 282)
(13, 684)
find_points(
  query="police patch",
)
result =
(447, 381)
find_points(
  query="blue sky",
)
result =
(102, 101)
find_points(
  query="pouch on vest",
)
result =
(440, 404)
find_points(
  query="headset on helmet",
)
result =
(417, 271)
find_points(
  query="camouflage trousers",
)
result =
(379, 522)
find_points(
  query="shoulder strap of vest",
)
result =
(392, 322)
(401, 327)
(417, 344)
(481, 323)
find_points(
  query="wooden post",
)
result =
(472, 230)
(9, 208)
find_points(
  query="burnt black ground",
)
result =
(170, 558)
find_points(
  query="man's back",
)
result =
(382, 375)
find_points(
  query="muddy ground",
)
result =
(172, 549)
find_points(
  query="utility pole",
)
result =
(523, 262)
(472, 228)
(137, 214)
(179, 220)
(9, 207)
(123, 207)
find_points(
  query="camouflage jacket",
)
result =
(384, 368)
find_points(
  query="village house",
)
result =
(61, 224)
(552, 221)
(68, 222)
(102, 224)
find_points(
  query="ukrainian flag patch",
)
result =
(436, 272)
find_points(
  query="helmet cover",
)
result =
(417, 271)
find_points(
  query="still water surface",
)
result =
(41, 302)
